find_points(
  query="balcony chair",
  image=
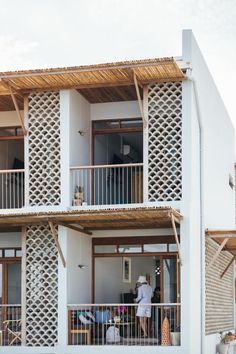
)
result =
(13, 330)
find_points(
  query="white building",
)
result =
(129, 164)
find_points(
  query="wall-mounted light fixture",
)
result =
(81, 133)
(82, 266)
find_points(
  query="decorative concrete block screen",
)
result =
(41, 287)
(219, 291)
(44, 148)
(165, 142)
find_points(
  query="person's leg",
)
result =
(143, 325)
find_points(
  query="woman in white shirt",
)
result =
(144, 297)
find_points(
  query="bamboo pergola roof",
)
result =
(102, 75)
(110, 219)
(219, 236)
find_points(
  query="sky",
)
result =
(54, 33)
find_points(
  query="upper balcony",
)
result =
(114, 143)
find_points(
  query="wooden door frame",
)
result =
(5, 262)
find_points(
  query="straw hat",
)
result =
(142, 279)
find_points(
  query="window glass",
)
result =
(1, 254)
(130, 249)
(9, 252)
(134, 123)
(18, 253)
(106, 124)
(160, 247)
(173, 247)
(105, 249)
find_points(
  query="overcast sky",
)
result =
(52, 33)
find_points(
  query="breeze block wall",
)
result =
(44, 189)
(44, 148)
(219, 291)
(165, 142)
(41, 287)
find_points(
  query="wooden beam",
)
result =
(220, 248)
(139, 101)
(53, 232)
(18, 111)
(228, 266)
(176, 237)
(214, 233)
(76, 228)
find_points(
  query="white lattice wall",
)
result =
(41, 287)
(44, 148)
(165, 142)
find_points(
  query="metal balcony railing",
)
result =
(107, 184)
(11, 189)
(109, 324)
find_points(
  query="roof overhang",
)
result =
(102, 75)
(220, 236)
(109, 219)
(226, 240)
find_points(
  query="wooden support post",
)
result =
(176, 237)
(228, 266)
(221, 246)
(17, 110)
(140, 101)
(53, 231)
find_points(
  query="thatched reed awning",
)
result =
(112, 219)
(102, 75)
(227, 238)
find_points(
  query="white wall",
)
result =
(108, 277)
(115, 110)
(80, 146)
(218, 197)
(79, 251)
(218, 142)
(10, 239)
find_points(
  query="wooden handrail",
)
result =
(11, 171)
(106, 166)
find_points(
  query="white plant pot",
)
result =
(222, 348)
(175, 338)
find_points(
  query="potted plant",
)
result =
(222, 347)
(78, 196)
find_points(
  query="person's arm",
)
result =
(140, 295)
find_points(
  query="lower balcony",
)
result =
(118, 324)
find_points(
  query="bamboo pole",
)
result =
(17, 110)
(176, 237)
(53, 232)
(139, 101)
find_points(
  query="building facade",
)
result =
(109, 172)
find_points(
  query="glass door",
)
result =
(13, 283)
(169, 270)
(10, 282)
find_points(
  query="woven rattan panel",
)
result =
(44, 148)
(41, 287)
(165, 142)
(219, 291)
